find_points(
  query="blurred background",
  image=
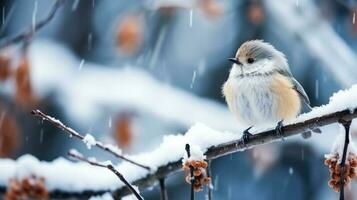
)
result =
(129, 72)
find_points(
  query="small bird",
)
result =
(261, 90)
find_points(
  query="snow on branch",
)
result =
(167, 158)
(78, 156)
(88, 139)
(27, 34)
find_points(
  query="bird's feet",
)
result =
(246, 135)
(279, 129)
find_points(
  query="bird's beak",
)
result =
(235, 60)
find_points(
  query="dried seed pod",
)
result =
(30, 187)
(335, 170)
(199, 173)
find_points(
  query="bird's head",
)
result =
(257, 56)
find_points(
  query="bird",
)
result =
(261, 89)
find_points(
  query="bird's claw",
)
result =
(246, 135)
(279, 129)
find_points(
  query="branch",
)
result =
(346, 124)
(238, 145)
(163, 191)
(27, 34)
(73, 133)
(108, 166)
(192, 192)
(229, 148)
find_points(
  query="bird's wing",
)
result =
(300, 90)
(305, 101)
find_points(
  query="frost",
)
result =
(89, 140)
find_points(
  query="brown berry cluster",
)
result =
(28, 188)
(200, 177)
(335, 170)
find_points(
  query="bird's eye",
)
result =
(250, 60)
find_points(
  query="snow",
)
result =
(75, 152)
(89, 140)
(105, 196)
(338, 145)
(60, 172)
(341, 100)
(196, 154)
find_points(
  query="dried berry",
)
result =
(31, 187)
(335, 170)
(200, 177)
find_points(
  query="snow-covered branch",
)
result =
(88, 139)
(167, 158)
(257, 139)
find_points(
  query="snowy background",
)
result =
(88, 69)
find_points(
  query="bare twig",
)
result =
(75, 134)
(163, 191)
(192, 179)
(110, 167)
(228, 148)
(346, 124)
(27, 34)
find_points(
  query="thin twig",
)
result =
(75, 134)
(346, 124)
(111, 168)
(192, 179)
(209, 188)
(163, 191)
(27, 34)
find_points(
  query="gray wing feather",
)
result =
(300, 90)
